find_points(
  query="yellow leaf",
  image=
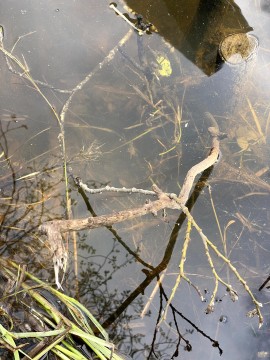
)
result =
(165, 68)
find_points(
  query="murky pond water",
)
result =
(141, 117)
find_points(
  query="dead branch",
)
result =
(164, 201)
(54, 229)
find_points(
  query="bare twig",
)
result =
(107, 188)
(232, 293)
(22, 74)
(181, 274)
(104, 62)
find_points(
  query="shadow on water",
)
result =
(196, 28)
(142, 118)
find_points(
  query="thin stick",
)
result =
(104, 62)
(107, 188)
(217, 221)
(227, 261)
(257, 121)
(153, 293)
(181, 272)
(118, 12)
(11, 69)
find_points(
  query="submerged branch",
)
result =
(164, 200)
(54, 229)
